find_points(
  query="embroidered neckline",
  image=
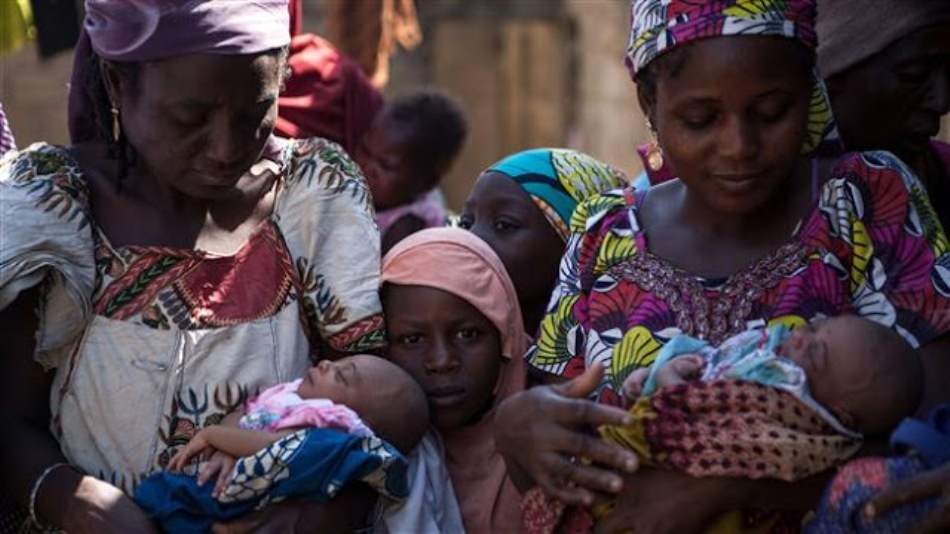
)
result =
(708, 308)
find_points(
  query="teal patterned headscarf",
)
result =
(557, 180)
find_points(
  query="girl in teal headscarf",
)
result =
(522, 206)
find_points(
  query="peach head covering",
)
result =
(460, 263)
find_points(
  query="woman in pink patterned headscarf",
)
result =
(761, 226)
(174, 260)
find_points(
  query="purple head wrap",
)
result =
(151, 30)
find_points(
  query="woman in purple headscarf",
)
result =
(760, 227)
(172, 261)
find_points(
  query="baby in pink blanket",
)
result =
(363, 395)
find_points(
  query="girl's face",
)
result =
(731, 118)
(504, 216)
(449, 348)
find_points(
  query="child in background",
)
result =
(522, 207)
(411, 144)
(724, 413)
(305, 439)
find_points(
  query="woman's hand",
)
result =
(101, 507)
(669, 501)
(220, 468)
(540, 430)
(932, 484)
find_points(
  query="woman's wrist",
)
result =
(52, 493)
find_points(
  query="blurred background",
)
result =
(529, 73)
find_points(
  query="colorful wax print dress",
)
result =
(151, 344)
(870, 246)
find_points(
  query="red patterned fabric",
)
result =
(214, 291)
(731, 428)
(327, 95)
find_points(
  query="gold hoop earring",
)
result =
(116, 126)
(654, 152)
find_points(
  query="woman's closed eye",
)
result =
(772, 112)
(913, 73)
(188, 121)
(697, 121)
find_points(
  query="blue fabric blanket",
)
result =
(311, 464)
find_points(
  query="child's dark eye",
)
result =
(467, 334)
(504, 225)
(389, 165)
(465, 222)
(409, 339)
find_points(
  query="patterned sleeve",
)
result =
(327, 220)
(561, 343)
(897, 258)
(47, 239)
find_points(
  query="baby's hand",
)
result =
(633, 385)
(219, 467)
(680, 369)
(196, 447)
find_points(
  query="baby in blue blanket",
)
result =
(345, 421)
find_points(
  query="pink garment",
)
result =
(428, 208)
(280, 407)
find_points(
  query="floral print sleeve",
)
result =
(327, 220)
(895, 259)
(46, 238)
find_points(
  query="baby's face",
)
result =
(826, 351)
(348, 381)
(338, 380)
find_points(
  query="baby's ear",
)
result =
(844, 415)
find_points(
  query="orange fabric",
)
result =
(458, 262)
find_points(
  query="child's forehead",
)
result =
(434, 307)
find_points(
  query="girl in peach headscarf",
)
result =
(455, 325)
